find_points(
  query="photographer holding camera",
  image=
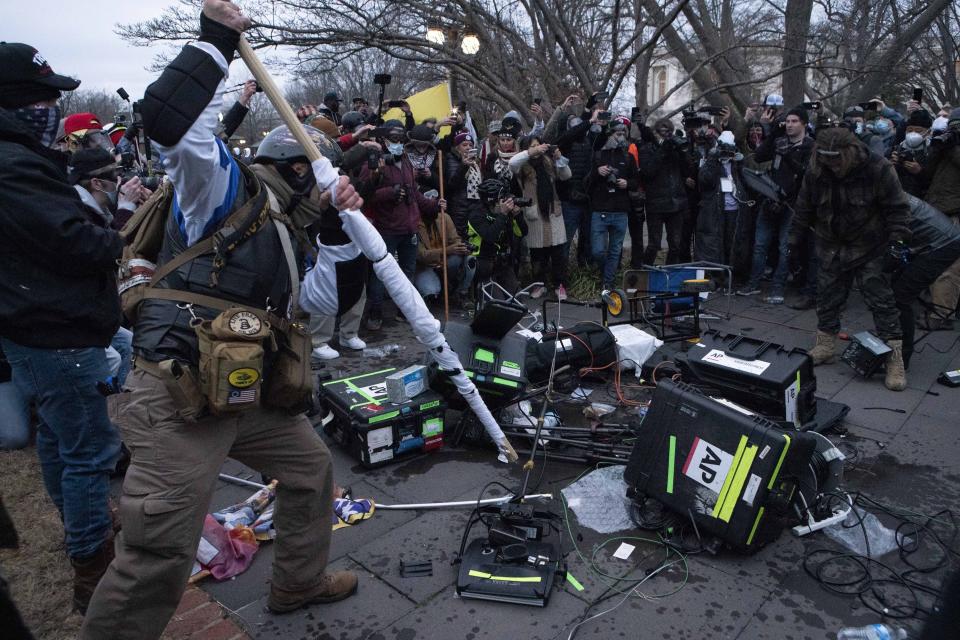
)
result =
(944, 194)
(463, 178)
(910, 156)
(614, 175)
(492, 233)
(788, 148)
(395, 208)
(721, 189)
(664, 168)
(96, 176)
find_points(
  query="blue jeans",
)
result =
(14, 417)
(772, 226)
(460, 272)
(607, 230)
(404, 246)
(573, 213)
(120, 355)
(76, 443)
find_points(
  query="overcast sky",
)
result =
(77, 38)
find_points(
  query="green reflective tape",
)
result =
(505, 382)
(776, 469)
(366, 396)
(670, 464)
(573, 581)
(739, 479)
(382, 417)
(480, 574)
(753, 530)
(484, 355)
(429, 405)
(726, 482)
(507, 363)
(362, 375)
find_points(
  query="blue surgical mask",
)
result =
(859, 129)
(574, 122)
(395, 148)
(881, 127)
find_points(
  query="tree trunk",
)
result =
(796, 30)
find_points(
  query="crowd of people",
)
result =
(785, 195)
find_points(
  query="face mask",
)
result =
(42, 122)
(858, 129)
(574, 122)
(395, 148)
(595, 128)
(881, 127)
(940, 124)
(111, 196)
(914, 140)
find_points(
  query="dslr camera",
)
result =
(523, 202)
(613, 176)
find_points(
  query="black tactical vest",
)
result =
(255, 275)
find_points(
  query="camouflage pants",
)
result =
(833, 288)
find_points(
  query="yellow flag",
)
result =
(429, 103)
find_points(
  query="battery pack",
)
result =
(374, 430)
(406, 384)
(865, 353)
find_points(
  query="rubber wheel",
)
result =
(616, 302)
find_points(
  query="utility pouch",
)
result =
(231, 359)
(184, 390)
(290, 384)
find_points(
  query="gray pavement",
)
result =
(907, 455)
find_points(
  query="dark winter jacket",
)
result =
(459, 205)
(391, 213)
(709, 244)
(931, 229)
(853, 216)
(788, 160)
(576, 145)
(944, 191)
(664, 167)
(604, 196)
(58, 286)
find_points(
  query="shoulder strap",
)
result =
(284, 235)
(189, 297)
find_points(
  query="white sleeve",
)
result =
(518, 160)
(205, 176)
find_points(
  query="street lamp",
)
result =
(470, 44)
(435, 33)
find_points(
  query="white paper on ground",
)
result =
(623, 551)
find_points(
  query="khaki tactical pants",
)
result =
(945, 291)
(166, 495)
(322, 327)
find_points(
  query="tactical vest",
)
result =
(254, 274)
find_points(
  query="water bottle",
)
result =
(381, 352)
(872, 632)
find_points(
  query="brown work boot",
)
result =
(823, 352)
(87, 573)
(331, 588)
(896, 379)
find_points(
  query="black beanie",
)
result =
(90, 163)
(800, 113)
(920, 118)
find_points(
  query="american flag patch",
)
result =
(242, 396)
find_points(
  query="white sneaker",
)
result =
(354, 343)
(325, 352)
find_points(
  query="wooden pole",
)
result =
(265, 81)
(443, 242)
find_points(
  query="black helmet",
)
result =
(351, 120)
(281, 146)
(492, 191)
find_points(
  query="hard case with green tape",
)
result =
(731, 471)
(498, 367)
(374, 430)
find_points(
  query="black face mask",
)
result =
(299, 184)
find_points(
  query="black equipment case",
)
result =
(497, 366)
(763, 376)
(585, 344)
(374, 430)
(710, 460)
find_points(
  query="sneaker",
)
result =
(749, 290)
(561, 293)
(332, 587)
(325, 352)
(537, 292)
(374, 320)
(354, 343)
(774, 299)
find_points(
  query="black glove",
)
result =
(896, 257)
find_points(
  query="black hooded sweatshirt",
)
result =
(58, 286)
